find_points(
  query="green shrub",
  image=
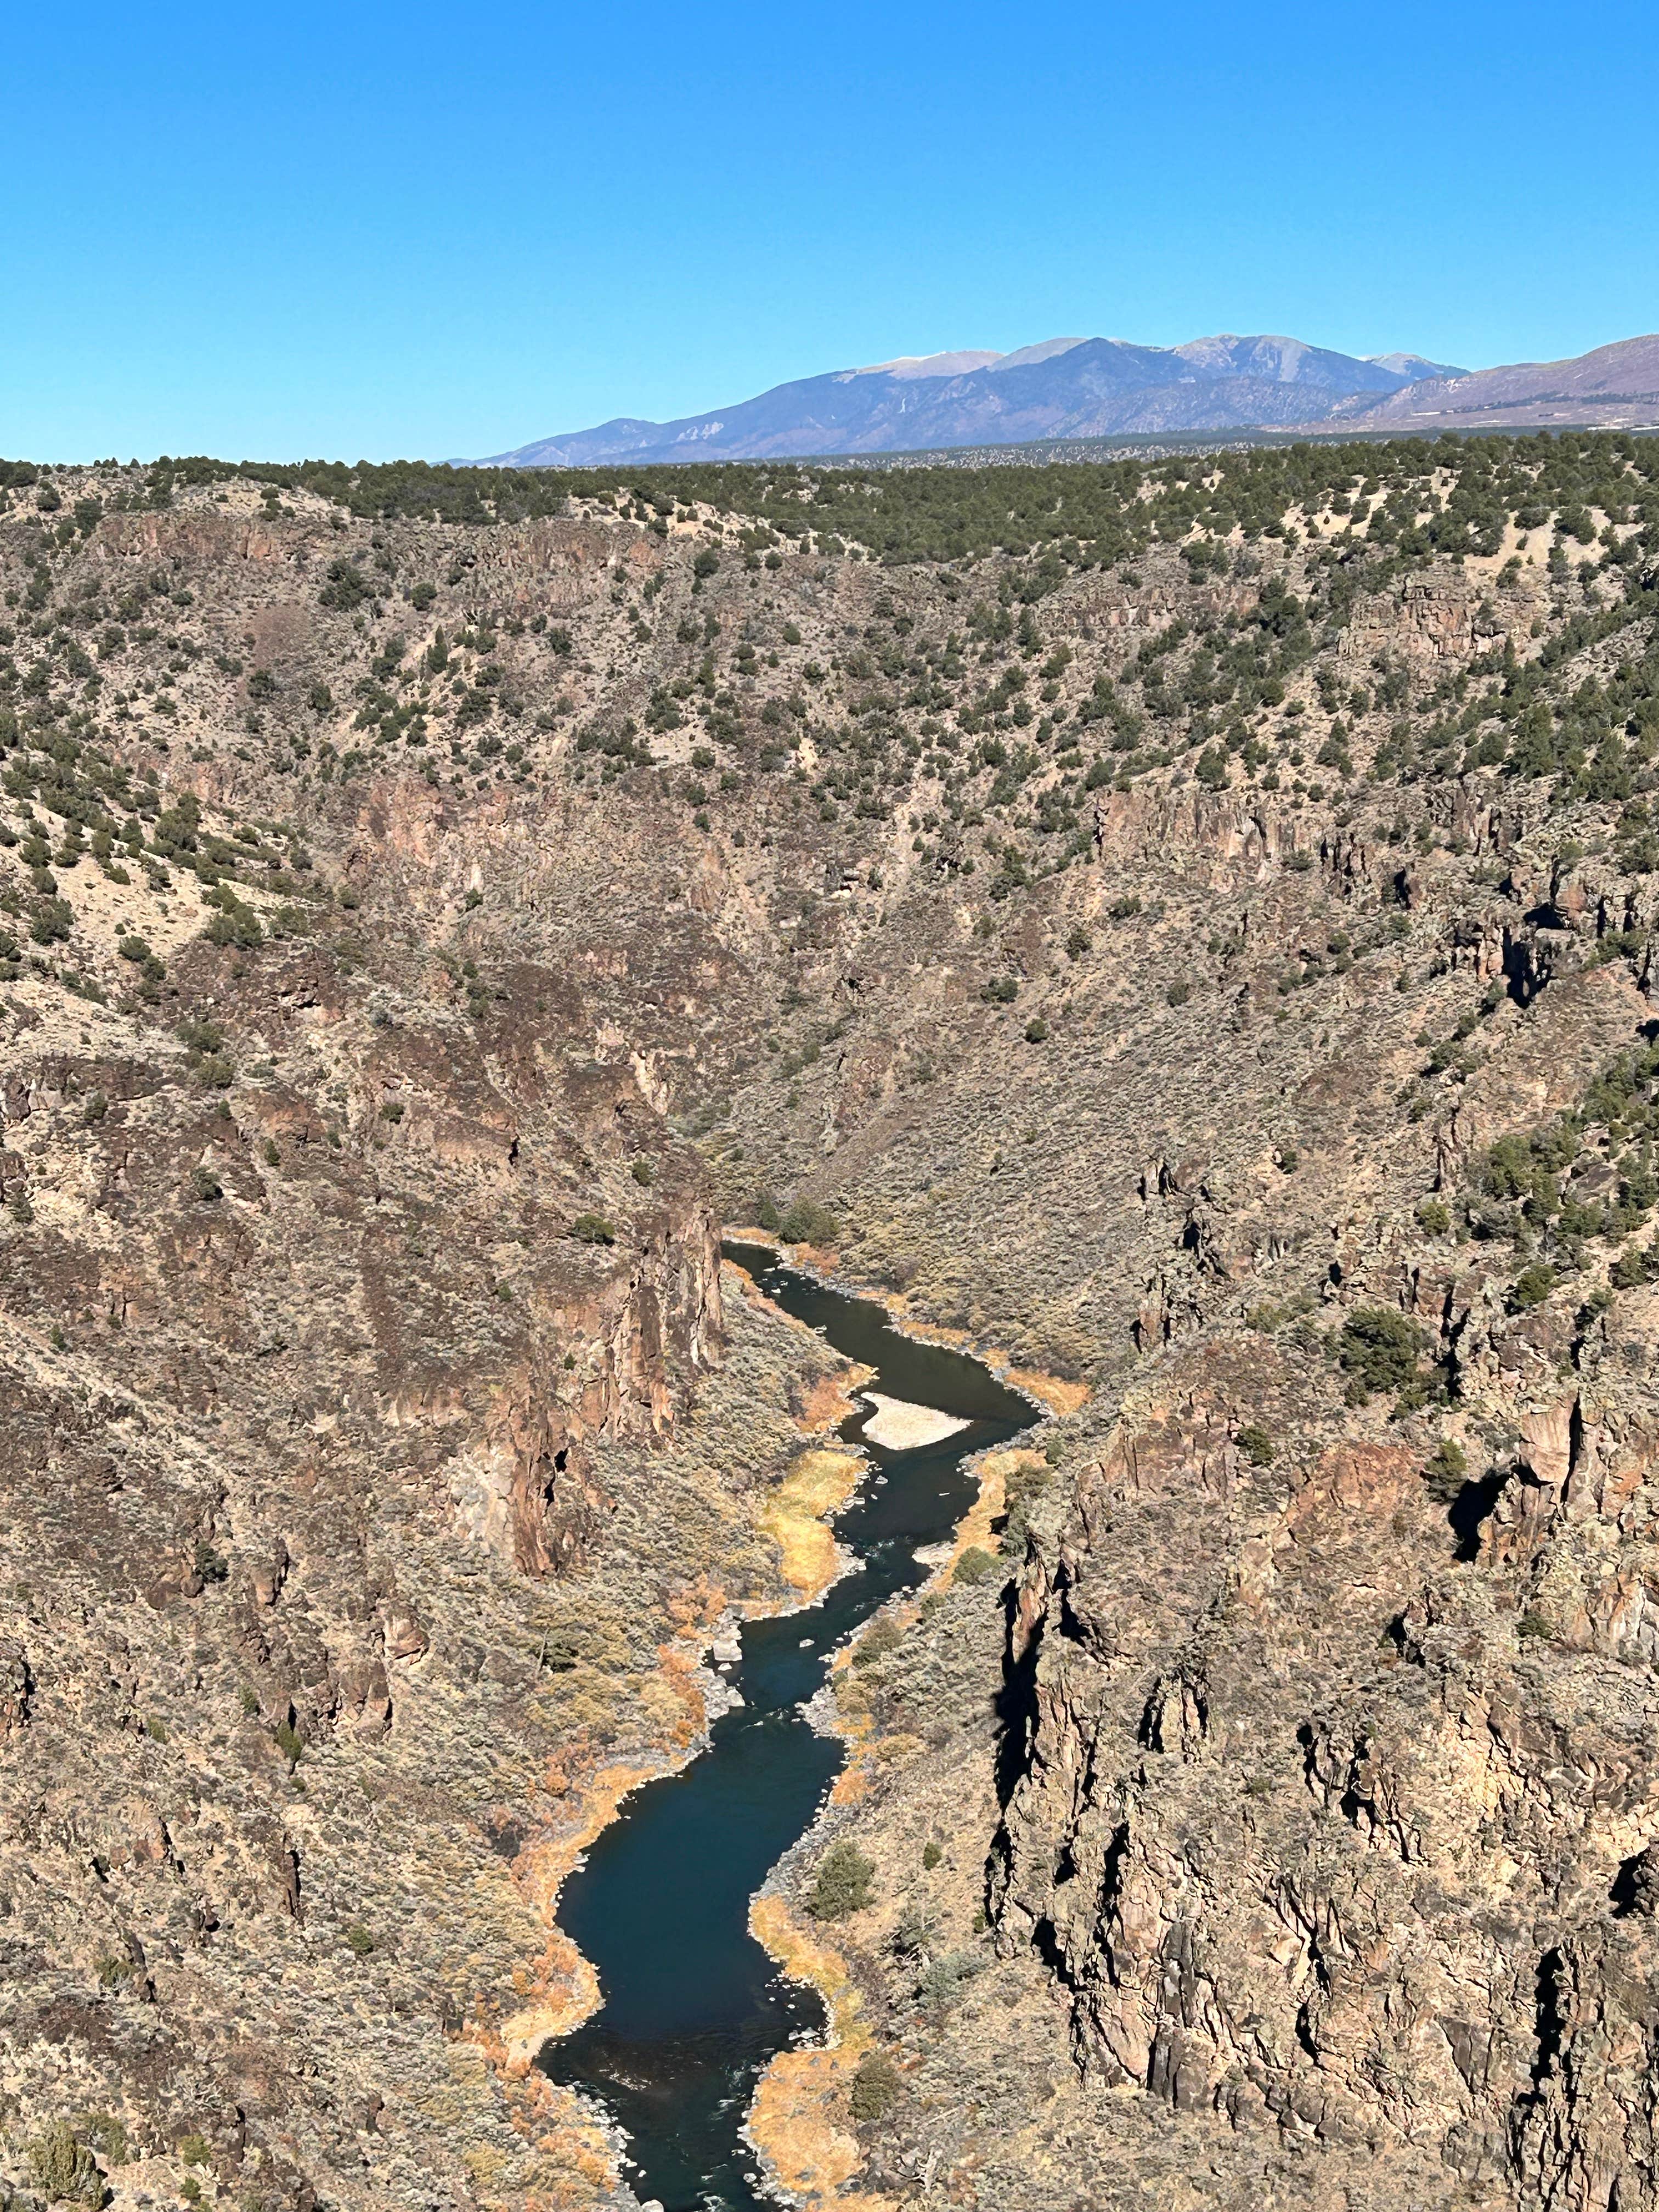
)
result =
(1000, 991)
(359, 1940)
(875, 2088)
(235, 923)
(1432, 1218)
(1178, 993)
(644, 1173)
(1379, 1347)
(974, 1565)
(917, 1932)
(52, 921)
(1256, 1445)
(809, 1222)
(65, 2171)
(1534, 1627)
(931, 1855)
(593, 1229)
(347, 586)
(1210, 769)
(1036, 1031)
(1446, 1472)
(876, 1643)
(845, 1883)
(1025, 1485)
(195, 2149)
(942, 1979)
(1531, 1287)
(206, 1186)
(1508, 1169)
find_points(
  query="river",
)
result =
(692, 2007)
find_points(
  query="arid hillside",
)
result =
(1186, 933)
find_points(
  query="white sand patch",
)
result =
(898, 1426)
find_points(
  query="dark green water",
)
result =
(693, 2007)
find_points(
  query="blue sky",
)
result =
(368, 231)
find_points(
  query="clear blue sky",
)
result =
(362, 230)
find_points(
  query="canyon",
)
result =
(1188, 946)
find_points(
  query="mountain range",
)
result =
(1077, 388)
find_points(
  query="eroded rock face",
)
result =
(1304, 1834)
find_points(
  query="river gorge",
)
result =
(693, 2007)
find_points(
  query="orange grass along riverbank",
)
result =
(797, 2120)
(562, 1985)
(797, 1514)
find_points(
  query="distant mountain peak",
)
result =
(927, 364)
(1413, 366)
(1049, 350)
(1070, 388)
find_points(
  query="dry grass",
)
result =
(796, 2122)
(795, 1514)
